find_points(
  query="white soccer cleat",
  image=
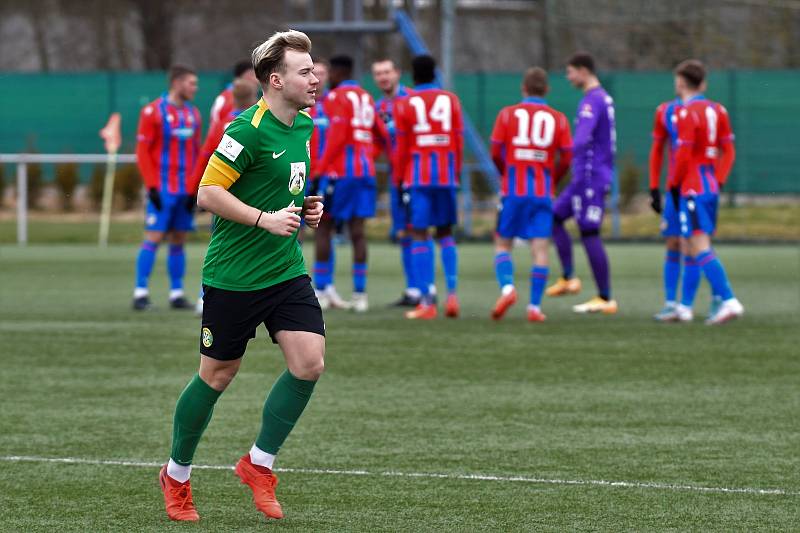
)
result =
(596, 305)
(335, 301)
(322, 298)
(729, 310)
(359, 302)
(667, 314)
(683, 313)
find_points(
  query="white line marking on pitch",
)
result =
(428, 475)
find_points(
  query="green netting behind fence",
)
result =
(60, 113)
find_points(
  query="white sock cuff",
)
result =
(179, 473)
(261, 458)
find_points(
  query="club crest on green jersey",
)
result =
(297, 178)
(208, 338)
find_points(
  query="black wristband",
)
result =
(258, 219)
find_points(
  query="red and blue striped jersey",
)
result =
(704, 130)
(222, 106)
(320, 135)
(213, 137)
(385, 109)
(430, 137)
(525, 140)
(349, 147)
(665, 131)
(167, 145)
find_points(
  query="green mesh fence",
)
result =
(61, 113)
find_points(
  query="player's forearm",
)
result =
(222, 203)
(656, 159)
(726, 163)
(564, 161)
(147, 167)
(497, 156)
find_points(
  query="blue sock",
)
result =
(176, 266)
(672, 273)
(691, 280)
(431, 277)
(713, 292)
(359, 277)
(322, 275)
(449, 254)
(408, 266)
(715, 272)
(332, 265)
(538, 281)
(504, 269)
(421, 255)
(144, 263)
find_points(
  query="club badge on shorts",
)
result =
(208, 338)
(297, 178)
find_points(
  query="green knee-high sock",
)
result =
(284, 405)
(192, 414)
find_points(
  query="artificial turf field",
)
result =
(694, 428)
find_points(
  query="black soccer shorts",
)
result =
(230, 318)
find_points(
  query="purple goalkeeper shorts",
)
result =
(585, 202)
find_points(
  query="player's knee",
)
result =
(419, 234)
(443, 231)
(219, 378)
(673, 244)
(154, 236)
(310, 369)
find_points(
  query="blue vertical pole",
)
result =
(466, 198)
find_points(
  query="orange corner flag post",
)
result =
(112, 137)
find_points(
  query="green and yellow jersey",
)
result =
(264, 163)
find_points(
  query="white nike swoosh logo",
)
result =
(276, 155)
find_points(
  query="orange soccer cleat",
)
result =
(263, 482)
(452, 308)
(422, 312)
(503, 303)
(177, 498)
(535, 315)
(564, 286)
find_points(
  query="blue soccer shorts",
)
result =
(670, 218)
(173, 215)
(525, 218)
(698, 214)
(433, 206)
(353, 198)
(399, 199)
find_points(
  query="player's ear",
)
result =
(275, 81)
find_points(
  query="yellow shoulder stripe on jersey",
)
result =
(218, 173)
(306, 114)
(259, 114)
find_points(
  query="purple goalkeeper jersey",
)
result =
(595, 139)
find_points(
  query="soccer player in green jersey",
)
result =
(254, 272)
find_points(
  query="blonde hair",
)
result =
(268, 57)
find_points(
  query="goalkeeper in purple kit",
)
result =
(584, 198)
